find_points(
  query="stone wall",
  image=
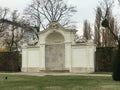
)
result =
(55, 57)
(83, 59)
(30, 59)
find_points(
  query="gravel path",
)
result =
(55, 74)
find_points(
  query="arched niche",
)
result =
(55, 38)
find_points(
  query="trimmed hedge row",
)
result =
(104, 59)
(10, 61)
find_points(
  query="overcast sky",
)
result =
(85, 9)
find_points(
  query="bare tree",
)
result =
(97, 27)
(14, 31)
(103, 36)
(13, 36)
(119, 1)
(42, 12)
(87, 30)
(116, 70)
(107, 38)
(4, 12)
(108, 18)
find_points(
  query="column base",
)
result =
(82, 70)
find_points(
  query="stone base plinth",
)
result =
(82, 70)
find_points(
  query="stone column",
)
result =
(68, 55)
(42, 57)
(24, 60)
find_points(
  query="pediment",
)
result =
(54, 26)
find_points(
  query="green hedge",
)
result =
(104, 59)
(10, 61)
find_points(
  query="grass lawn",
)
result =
(15, 82)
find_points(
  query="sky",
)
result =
(85, 9)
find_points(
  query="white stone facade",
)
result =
(58, 51)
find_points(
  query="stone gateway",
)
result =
(57, 50)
